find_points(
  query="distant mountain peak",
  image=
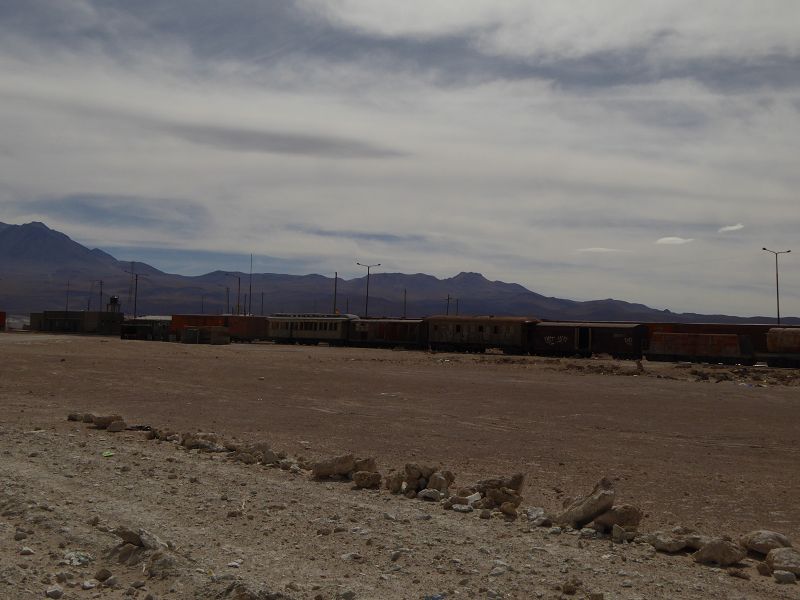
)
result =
(470, 276)
(37, 224)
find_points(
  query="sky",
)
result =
(637, 150)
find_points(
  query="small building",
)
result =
(75, 321)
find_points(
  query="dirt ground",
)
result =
(711, 448)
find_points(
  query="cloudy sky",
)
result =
(644, 151)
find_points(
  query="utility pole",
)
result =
(262, 304)
(777, 285)
(366, 299)
(448, 305)
(135, 292)
(335, 286)
(250, 288)
(66, 309)
(404, 302)
(89, 297)
(238, 291)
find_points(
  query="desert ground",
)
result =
(710, 448)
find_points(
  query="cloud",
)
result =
(244, 140)
(727, 228)
(600, 250)
(462, 135)
(673, 241)
(364, 236)
(117, 210)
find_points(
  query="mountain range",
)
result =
(43, 269)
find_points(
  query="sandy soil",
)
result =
(715, 449)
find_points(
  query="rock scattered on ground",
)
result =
(584, 509)
(762, 541)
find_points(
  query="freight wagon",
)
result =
(247, 328)
(726, 348)
(181, 322)
(388, 333)
(757, 334)
(783, 346)
(620, 340)
(476, 334)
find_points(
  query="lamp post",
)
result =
(777, 285)
(366, 300)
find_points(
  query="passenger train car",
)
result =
(690, 342)
(477, 334)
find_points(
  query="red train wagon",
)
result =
(181, 322)
(247, 328)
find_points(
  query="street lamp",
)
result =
(777, 285)
(366, 300)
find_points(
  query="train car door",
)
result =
(584, 340)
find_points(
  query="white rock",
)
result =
(784, 577)
(762, 541)
(429, 494)
(784, 559)
(54, 591)
(473, 498)
(720, 552)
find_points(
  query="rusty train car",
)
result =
(620, 340)
(783, 347)
(477, 334)
(690, 342)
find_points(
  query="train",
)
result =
(674, 342)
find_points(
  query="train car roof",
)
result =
(387, 320)
(483, 318)
(580, 324)
(328, 317)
